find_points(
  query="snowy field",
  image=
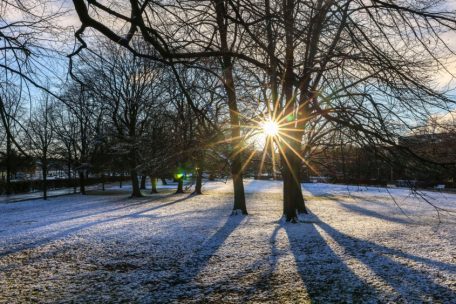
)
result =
(356, 247)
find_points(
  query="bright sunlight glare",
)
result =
(270, 128)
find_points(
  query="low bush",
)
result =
(17, 187)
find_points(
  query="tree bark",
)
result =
(82, 183)
(153, 181)
(164, 182)
(295, 187)
(227, 67)
(8, 164)
(102, 182)
(136, 192)
(238, 184)
(69, 166)
(289, 194)
(143, 182)
(199, 181)
(44, 172)
(180, 185)
(292, 195)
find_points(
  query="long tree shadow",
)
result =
(67, 232)
(107, 204)
(356, 208)
(389, 203)
(264, 284)
(374, 214)
(393, 266)
(327, 278)
(186, 273)
(322, 271)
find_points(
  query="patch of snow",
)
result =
(355, 246)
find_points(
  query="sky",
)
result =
(52, 65)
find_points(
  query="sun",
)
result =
(270, 128)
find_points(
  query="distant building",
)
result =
(57, 169)
(438, 147)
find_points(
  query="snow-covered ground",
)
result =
(356, 247)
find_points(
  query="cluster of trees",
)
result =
(184, 82)
(120, 114)
(27, 30)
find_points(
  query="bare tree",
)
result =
(367, 66)
(127, 89)
(10, 110)
(41, 139)
(84, 118)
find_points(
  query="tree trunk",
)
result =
(292, 196)
(227, 67)
(136, 191)
(102, 182)
(44, 172)
(164, 181)
(199, 181)
(69, 168)
(296, 190)
(71, 177)
(143, 182)
(238, 184)
(8, 164)
(153, 181)
(82, 183)
(180, 185)
(286, 188)
(289, 207)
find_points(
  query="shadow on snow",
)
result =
(67, 232)
(322, 270)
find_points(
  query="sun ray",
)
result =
(280, 120)
(291, 129)
(226, 140)
(299, 155)
(265, 150)
(248, 118)
(284, 156)
(276, 108)
(287, 105)
(292, 122)
(273, 160)
(277, 129)
(239, 151)
(247, 161)
(289, 136)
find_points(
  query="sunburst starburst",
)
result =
(270, 128)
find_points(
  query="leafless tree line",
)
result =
(204, 71)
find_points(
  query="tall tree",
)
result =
(368, 66)
(128, 90)
(41, 137)
(10, 110)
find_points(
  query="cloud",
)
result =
(439, 123)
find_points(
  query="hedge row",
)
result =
(27, 186)
(398, 183)
(361, 182)
(432, 184)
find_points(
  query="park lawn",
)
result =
(355, 246)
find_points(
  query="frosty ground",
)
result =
(357, 246)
